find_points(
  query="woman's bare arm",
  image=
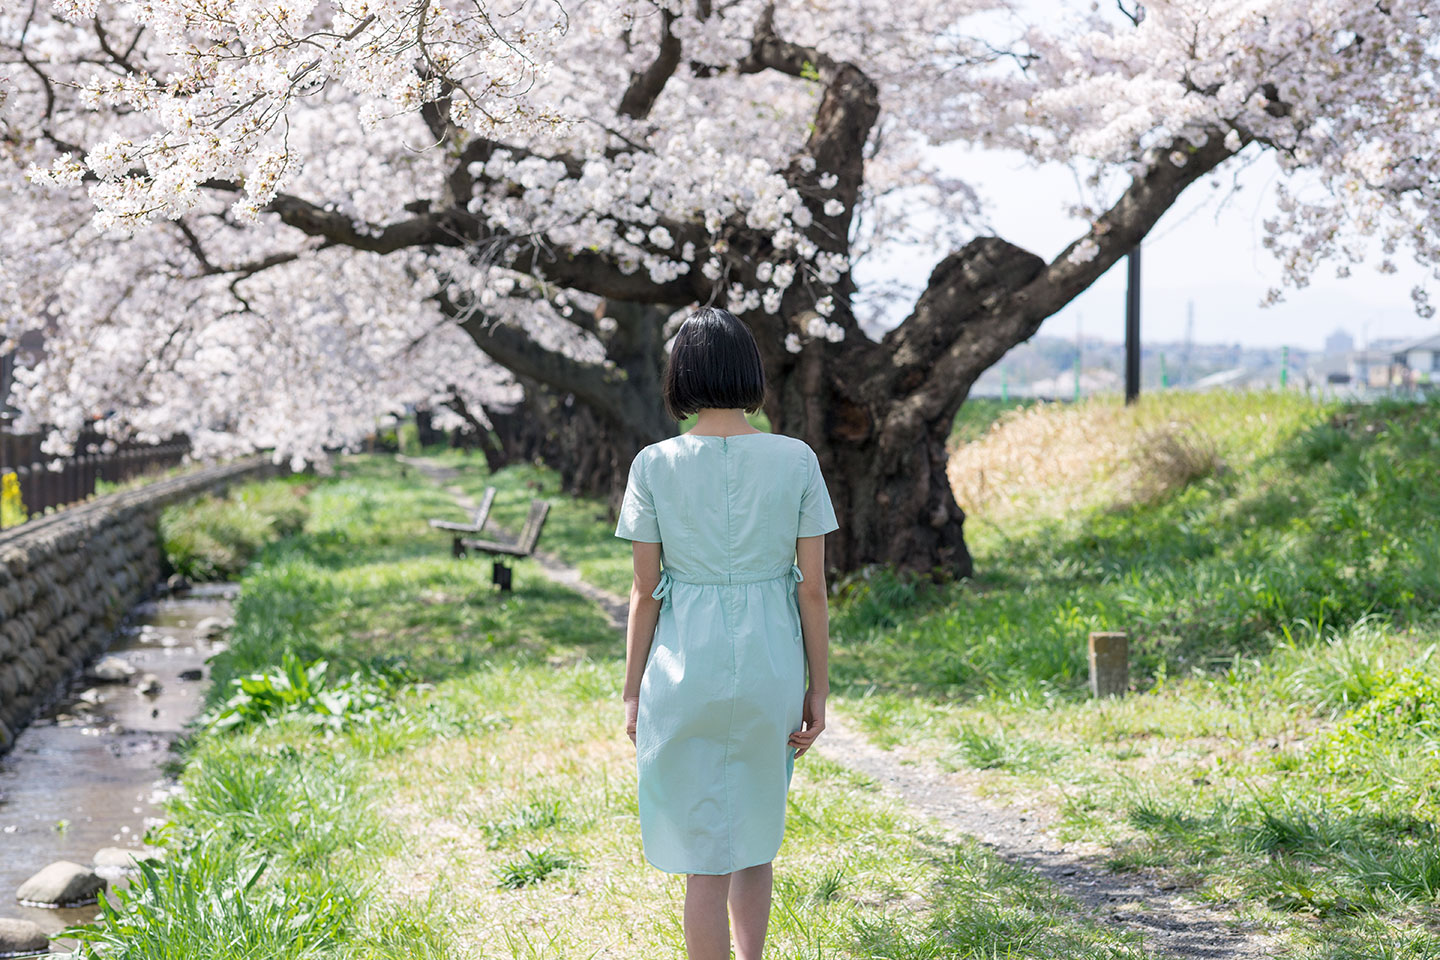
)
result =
(640, 628)
(811, 596)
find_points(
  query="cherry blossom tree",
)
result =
(268, 221)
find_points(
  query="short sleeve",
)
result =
(637, 509)
(817, 514)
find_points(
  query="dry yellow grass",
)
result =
(1056, 458)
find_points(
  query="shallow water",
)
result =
(79, 779)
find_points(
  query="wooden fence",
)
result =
(41, 488)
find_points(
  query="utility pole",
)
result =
(1132, 328)
(1079, 352)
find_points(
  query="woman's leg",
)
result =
(750, 906)
(707, 926)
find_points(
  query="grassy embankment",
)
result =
(1277, 564)
(453, 780)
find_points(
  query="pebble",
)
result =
(61, 884)
(21, 937)
(211, 628)
(110, 670)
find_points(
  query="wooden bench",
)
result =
(529, 537)
(475, 526)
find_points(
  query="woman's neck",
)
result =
(722, 423)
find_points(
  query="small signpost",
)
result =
(1109, 664)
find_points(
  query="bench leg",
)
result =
(457, 549)
(500, 575)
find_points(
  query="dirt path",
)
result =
(1171, 924)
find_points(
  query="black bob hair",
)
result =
(714, 362)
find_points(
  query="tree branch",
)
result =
(646, 87)
(121, 60)
(457, 228)
(517, 351)
(961, 327)
(844, 118)
(842, 125)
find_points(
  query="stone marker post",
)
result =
(1109, 664)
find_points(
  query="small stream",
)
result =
(86, 775)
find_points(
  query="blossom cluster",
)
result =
(148, 151)
(1342, 92)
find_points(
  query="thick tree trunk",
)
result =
(589, 451)
(899, 513)
(425, 432)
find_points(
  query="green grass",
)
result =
(489, 809)
(532, 867)
(213, 537)
(1312, 526)
(1268, 599)
(1279, 751)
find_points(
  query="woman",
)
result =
(727, 610)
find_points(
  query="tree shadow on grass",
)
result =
(981, 906)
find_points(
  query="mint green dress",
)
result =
(724, 683)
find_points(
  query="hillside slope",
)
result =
(1276, 563)
(1207, 525)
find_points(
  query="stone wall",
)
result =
(67, 580)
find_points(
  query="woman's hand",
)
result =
(813, 716)
(632, 710)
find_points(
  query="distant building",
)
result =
(1418, 361)
(1339, 342)
(1092, 381)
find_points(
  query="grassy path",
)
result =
(1170, 924)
